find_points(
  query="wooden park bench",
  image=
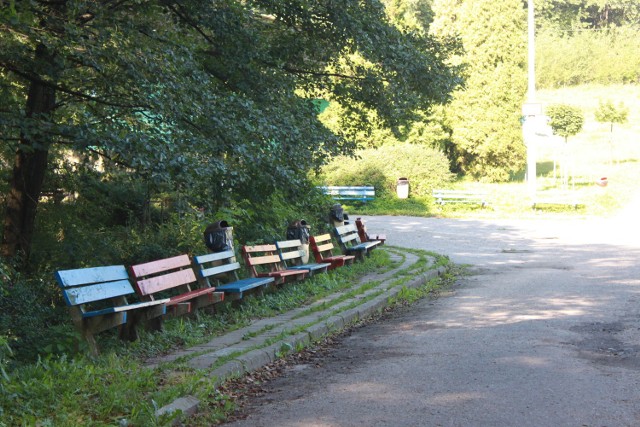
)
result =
(322, 249)
(443, 197)
(175, 279)
(220, 270)
(292, 254)
(264, 261)
(367, 237)
(97, 298)
(356, 193)
(347, 236)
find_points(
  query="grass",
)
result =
(593, 153)
(72, 389)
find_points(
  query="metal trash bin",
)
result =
(337, 216)
(218, 237)
(300, 230)
(402, 188)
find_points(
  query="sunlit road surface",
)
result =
(544, 331)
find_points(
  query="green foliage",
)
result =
(565, 120)
(607, 112)
(484, 115)
(425, 167)
(583, 57)
(586, 14)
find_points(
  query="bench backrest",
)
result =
(347, 235)
(106, 285)
(262, 258)
(321, 246)
(215, 266)
(173, 275)
(366, 192)
(291, 251)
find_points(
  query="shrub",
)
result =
(425, 167)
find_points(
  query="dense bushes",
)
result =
(605, 57)
(425, 167)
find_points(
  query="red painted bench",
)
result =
(322, 248)
(173, 278)
(367, 237)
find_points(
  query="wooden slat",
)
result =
(259, 248)
(166, 281)
(221, 269)
(124, 308)
(263, 259)
(97, 292)
(154, 267)
(218, 256)
(83, 276)
(287, 244)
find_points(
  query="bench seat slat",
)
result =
(125, 308)
(244, 285)
(177, 299)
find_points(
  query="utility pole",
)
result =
(531, 110)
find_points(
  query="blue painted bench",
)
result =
(292, 254)
(173, 278)
(264, 261)
(349, 241)
(322, 248)
(97, 299)
(357, 193)
(220, 270)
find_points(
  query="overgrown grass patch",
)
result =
(71, 389)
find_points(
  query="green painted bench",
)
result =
(292, 253)
(363, 193)
(558, 198)
(97, 299)
(349, 241)
(220, 270)
(173, 278)
(443, 197)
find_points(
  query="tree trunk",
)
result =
(29, 166)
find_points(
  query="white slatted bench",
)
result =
(443, 197)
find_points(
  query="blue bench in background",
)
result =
(357, 193)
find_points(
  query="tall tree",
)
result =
(484, 115)
(199, 95)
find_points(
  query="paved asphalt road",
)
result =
(544, 332)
